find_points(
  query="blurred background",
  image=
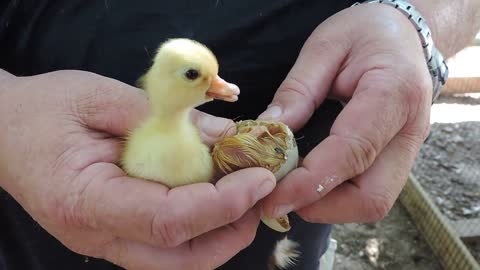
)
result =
(436, 222)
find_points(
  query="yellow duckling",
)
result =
(166, 147)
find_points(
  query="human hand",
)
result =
(60, 144)
(371, 57)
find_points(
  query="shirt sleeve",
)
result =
(17, 20)
(7, 8)
(7, 11)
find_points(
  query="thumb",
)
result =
(109, 105)
(212, 128)
(308, 82)
(117, 108)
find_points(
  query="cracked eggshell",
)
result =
(292, 158)
(291, 153)
(267, 144)
(281, 224)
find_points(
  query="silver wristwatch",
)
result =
(436, 64)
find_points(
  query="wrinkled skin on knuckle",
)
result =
(422, 89)
(52, 213)
(63, 209)
(413, 97)
(70, 154)
(418, 97)
(88, 104)
(416, 90)
(296, 85)
(68, 227)
(377, 207)
(325, 38)
(411, 143)
(362, 153)
(234, 209)
(82, 202)
(168, 232)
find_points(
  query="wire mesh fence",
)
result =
(443, 196)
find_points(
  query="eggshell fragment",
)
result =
(266, 144)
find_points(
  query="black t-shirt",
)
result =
(256, 43)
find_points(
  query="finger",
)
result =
(117, 108)
(367, 123)
(148, 212)
(212, 128)
(310, 79)
(109, 149)
(106, 150)
(368, 197)
(110, 105)
(208, 251)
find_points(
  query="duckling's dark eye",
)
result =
(192, 74)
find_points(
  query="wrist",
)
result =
(435, 61)
(428, 10)
(454, 24)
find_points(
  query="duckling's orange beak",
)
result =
(220, 89)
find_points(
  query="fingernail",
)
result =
(282, 210)
(272, 113)
(265, 188)
(211, 125)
